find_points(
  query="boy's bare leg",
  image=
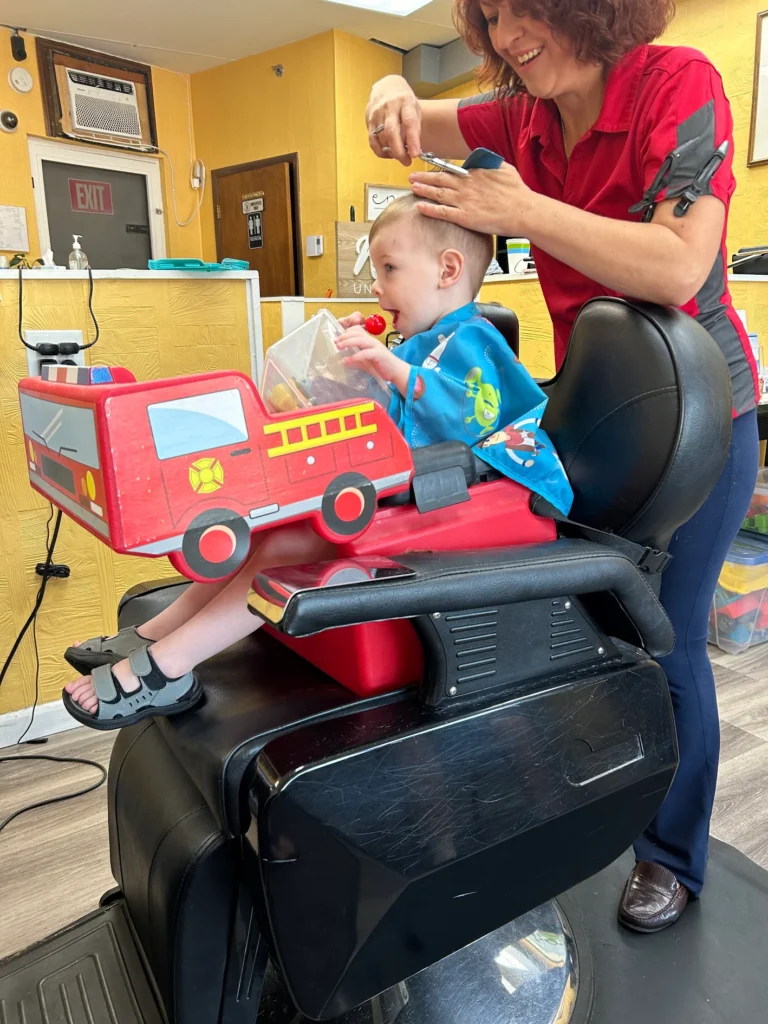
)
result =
(188, 603)
(223, 620)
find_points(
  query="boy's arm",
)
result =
(374, 357)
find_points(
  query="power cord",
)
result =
(53, 799)
(47, 574)
(64, 348)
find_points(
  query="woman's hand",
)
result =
(494, 202)
(374, 357)
(394, 108)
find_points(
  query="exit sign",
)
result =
(90, 196)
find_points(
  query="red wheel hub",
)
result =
(349, 504)
(217, 544)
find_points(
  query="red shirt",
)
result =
(657, 99)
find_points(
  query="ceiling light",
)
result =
(400, 7)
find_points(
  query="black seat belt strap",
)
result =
(647, 559)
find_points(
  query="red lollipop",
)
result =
(376, 324)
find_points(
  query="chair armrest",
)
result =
(301, 600)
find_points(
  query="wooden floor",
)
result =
(54, 862)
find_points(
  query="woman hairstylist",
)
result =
(585, 113)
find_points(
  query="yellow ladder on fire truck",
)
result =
(323, 420)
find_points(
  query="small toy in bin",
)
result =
(757, 515)
(305, 368)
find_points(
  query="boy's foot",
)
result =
(114, 697)
(87, 655)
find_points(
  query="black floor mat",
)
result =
(89, 973)
(709, 968)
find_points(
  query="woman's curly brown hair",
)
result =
(602, 31)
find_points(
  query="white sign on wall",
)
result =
(378, 198)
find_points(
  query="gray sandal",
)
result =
(157, 694)
(104, 650)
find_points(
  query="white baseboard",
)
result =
(50, 718)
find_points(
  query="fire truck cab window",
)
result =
(187, 426)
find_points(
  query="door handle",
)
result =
(241, 451)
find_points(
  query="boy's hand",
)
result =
(353, 320)
(374, 357)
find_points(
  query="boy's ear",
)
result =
(451, 264)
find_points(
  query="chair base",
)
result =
(710, 966)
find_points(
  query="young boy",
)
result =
(454, 378)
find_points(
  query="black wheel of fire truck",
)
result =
(216, 543)
(349, 504)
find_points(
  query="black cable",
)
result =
(32, 348)
(38, 600)
(50, 546)
(31, 721)
(53, 799)
(90, 310)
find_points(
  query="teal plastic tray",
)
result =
(193, 264)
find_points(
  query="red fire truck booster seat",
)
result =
(191, 467)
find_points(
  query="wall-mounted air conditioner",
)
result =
(101, 105)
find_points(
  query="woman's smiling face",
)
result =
(546, 65)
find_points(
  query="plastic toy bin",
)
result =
(757, 516)
(739, 616)
(305, 368)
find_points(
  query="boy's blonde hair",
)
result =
(476, 248)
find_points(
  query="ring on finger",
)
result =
(379, 130)
(386, 149)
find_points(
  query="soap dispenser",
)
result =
(77, 258)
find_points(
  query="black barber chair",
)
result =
(291, 852)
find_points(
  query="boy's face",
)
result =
(408, 277)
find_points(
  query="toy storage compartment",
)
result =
(757, 516)
(739, 616)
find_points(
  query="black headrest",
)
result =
(504, 320)
(640, 414)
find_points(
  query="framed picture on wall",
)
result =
(378, 198)
(758, 138)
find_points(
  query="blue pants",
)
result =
(678, 836)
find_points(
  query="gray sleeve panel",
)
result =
(696, 144)
(483, 97)
(713, 315)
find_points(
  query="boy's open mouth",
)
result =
(395, 314)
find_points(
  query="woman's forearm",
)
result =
(645, 261)
(440, 132)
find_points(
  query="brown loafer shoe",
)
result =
(653, 899)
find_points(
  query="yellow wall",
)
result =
(155, 328)
(358, 64)
(15, 173)
(244, 112)
(173, 136)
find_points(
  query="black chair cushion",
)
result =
(504, 320)
(640, 414)
(254, 691)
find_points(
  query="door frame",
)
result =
(93, 156)
(292, 159)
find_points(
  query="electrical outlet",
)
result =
(35, 361)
